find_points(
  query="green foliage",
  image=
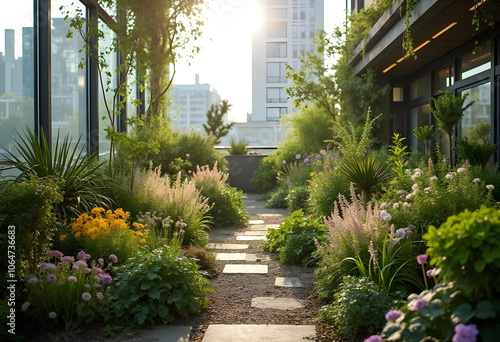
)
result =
(398, 155)
(425, 134)
(161, 230)
(156, 287)
(475, 153)
(294, 241)
(80, 181)
(481, 133)
(264, 178)
(448, 110)
(488, 175)
(434, 315)
(465, 247)
(204, 257)
(238, 147)
(215, 121)
(358, 307)
(226, 202)
(277, 198)
(365, 172)
(28, 206)
(298, 197)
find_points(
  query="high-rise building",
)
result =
(191, 102)
(286, 33)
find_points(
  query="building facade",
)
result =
(191, 102)
(452, 55)
(286, 33)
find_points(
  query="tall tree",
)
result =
(215, 120)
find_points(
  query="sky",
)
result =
(225, 61)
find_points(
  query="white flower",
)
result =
(99, 295)
(416, 175)
(433, 178)
(461, 169)
(52, 315)
(385, 215)
(79, 264)
(47, 266)
(383, 206)
(490, 187)
(395, 205)
(427, 189)
(86, 296)
(451, 175)
(25, 306)
(408, 196)
(408, 171)
(33, 280)
(415, 186)
(406, 204)
(476, 180)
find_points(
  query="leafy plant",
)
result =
(81, 182)
(365, 173)
(297, 198)
(398, 154)
(448, 111)
(215, 120)
(204, 257)
(157, 287)
(294, 241)
(277, 198)
(358, 307)
(466, 249)
(475, 153)
(425, 134)
(238, 147)
(264, 178)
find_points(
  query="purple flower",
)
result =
(419, 304)
(283, 162)
(99, 295)
(114, 258)
(465, 333)
(306, 160)
(28, 277)
(83, 256)
(51, 278)
(322, 152)
(374, 338)
(429, 273)
(393, 315)
(47, 266)
(298, 156)
(52, 315)
(68, 259)
(422, 259)
(318, 157)
(100, 261)
(54, 253)
(79, 264)
(106, 279)
(379, 194)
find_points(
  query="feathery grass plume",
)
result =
(210, 178)
(180, 200)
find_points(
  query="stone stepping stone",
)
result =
(272, 226)
(226, 231)
(259, 333)
(247, 269)
(255, 232)
(250, 237)
(217, 245)
(220, 237)
(256, 222)
(231, 256)
(170, 333)
(287, 282)
(258, 227)
(276, 303)
(257, 258)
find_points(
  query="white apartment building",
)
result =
(286, 33)
(191, 103)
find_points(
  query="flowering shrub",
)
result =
(161, 230)
(465, 247)
(156, 287)
(103, 232)
(66, 290)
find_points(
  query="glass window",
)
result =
(295, 49)
(312, 48)
(276, 2)
(275, 113)
(420, 87)
(68, 82)
(295, 13)
(276, 95)
(397, 94)
(276, 72)
(419, 116)
(16, 71)
(302, 13)
(473, 64)
(276, 30)
(302, 31)
(444, 77)
(476, 121)
(295, 32)
(276, 50)
(302, 49)
(276, 13)
(312, 31)
(312, 13)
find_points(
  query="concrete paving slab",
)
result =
(220, 237)
(231, 256)
(287, 282)
(250, 237)
(247, 269)
(259, 333)
(254, 232)
(256, 222)
(217, 245)
(276, 303)
(272, 226)
(271, 215)
(257, 258)
(227, 231)
(167, 333)
(256, 227)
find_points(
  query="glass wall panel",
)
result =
(477, 119)
(276, 30)
(474, 63)
(276, 50)
(420, 87)
(69, 106)
(16, 71)
(444, 78)
(419, 116)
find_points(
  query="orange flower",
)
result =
(142, 241)
(62, 237)
(78, 235)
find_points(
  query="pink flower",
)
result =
(99, 295)
(100, 261)
(54, 253)
(283, 162)
(68, 259)
(306, 160)
(429, 273)
(114, 258)
(393, 315)
(188, 155)
(322, 152)
(83, 256)
(298, 156)
(374, 338)
(422, 259)
(79, 264)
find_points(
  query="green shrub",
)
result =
(204, 257)
(475, 153)
(277, 198)
(157, 287)
(488, 175)
(294, 241)
(238, 147)
(359, 307)
(264, 178)
(298, 197)
(227, 208)
(465, 247)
